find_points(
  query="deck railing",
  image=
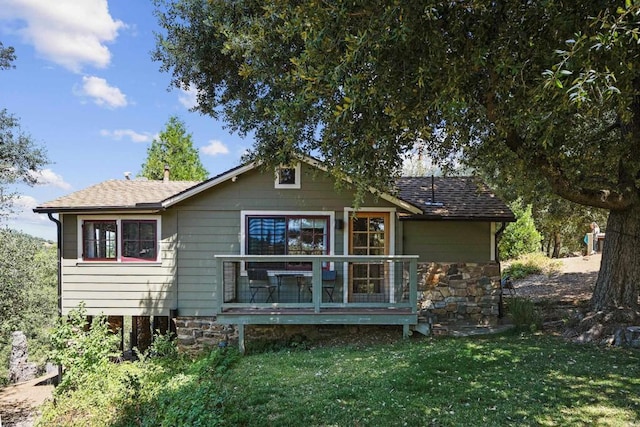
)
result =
(307, 281)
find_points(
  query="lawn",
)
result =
(510, 379)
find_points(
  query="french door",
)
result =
(368, 235)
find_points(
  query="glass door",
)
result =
(369, 235)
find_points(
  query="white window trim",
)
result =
(295, 185)
(118, 219)
(346, 235)
(243, 225)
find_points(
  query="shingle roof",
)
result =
(450, 198)
(454, 198)
(117, 194)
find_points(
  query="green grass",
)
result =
(499, 380)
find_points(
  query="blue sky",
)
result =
(86, 89)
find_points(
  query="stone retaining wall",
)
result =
(459, 292)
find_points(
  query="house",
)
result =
(253, 248)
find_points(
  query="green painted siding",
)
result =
(441, 241)
(208, 224)
(119, 288)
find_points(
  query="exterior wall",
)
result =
(209, 225)
(460, 292)
(193, 232)
(448, 241)
(119, 289)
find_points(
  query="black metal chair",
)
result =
(259, 279)
(329, 282)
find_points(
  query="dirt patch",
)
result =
(572, 284)
(19, 402)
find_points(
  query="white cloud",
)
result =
(189, 97)
(23, 207)
(101, 92)
(48, 177)
(134, 136)
(71, 33)
(214, 148)
(24, 219)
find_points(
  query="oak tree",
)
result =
(20, 157)
(360, 83)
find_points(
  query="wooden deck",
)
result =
(240, 317)
(326, 316)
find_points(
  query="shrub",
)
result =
(534, 263)
(520, 237)
(82, 348)
(524, 314)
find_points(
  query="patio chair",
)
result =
(329, 282)
(259, 279)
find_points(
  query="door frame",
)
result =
(347, 240)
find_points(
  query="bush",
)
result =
(534, 263)
(520, 237)
(524, 314)
(82, 348)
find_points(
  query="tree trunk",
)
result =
(619, 277)
(557, 243)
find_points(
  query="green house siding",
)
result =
(441, 241)
(208, 224)
(119, 288)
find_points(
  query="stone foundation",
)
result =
(197, 333)
(463, 292)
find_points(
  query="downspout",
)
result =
(496, 239)
(59, 245)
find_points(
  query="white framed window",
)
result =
(287, 233)
(119, 238)
(288, 177)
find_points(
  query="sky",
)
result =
(86, 89)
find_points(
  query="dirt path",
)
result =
(19, 402)
(574, 282)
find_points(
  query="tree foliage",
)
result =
(173, 148)
(361, 83)
(27, 292)
(521, 237)
(19, 155)
(7, 56)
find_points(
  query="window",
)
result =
(287, 235)
(288, 177)
(119, 239)
(99, 240)
(139, 239)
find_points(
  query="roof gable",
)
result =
(427, 198)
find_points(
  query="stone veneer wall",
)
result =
(197, 333)
(459, 292)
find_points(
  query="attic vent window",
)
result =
(288, 177)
